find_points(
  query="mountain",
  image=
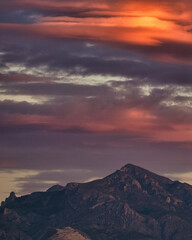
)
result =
(130, 204)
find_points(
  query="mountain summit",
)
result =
(131, 203)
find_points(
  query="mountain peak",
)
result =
(130, 166)
(134, 168)
(136, 171)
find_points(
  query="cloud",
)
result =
(145, 104)
(154, 29)
(53, 89)
(121, 108)
(94, 85)
(15, 78)
(53, 60)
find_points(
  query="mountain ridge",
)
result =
(131, 203)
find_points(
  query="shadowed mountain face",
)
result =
(130, 204)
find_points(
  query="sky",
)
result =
(89, 86)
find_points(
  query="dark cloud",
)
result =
(175, 49)
(18, 16)
(13, 78)
(54, 89)
(96, 153)
(77, 58)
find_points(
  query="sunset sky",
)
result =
(89, 86)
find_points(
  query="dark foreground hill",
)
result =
(130, 204)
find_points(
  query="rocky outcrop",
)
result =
(131, 203)
(10, 199)
(66, 233)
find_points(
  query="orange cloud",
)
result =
(149, 23)
(141, 30)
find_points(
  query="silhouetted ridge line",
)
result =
(131, 203)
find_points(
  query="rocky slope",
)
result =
(66, 233)
(130, 204)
